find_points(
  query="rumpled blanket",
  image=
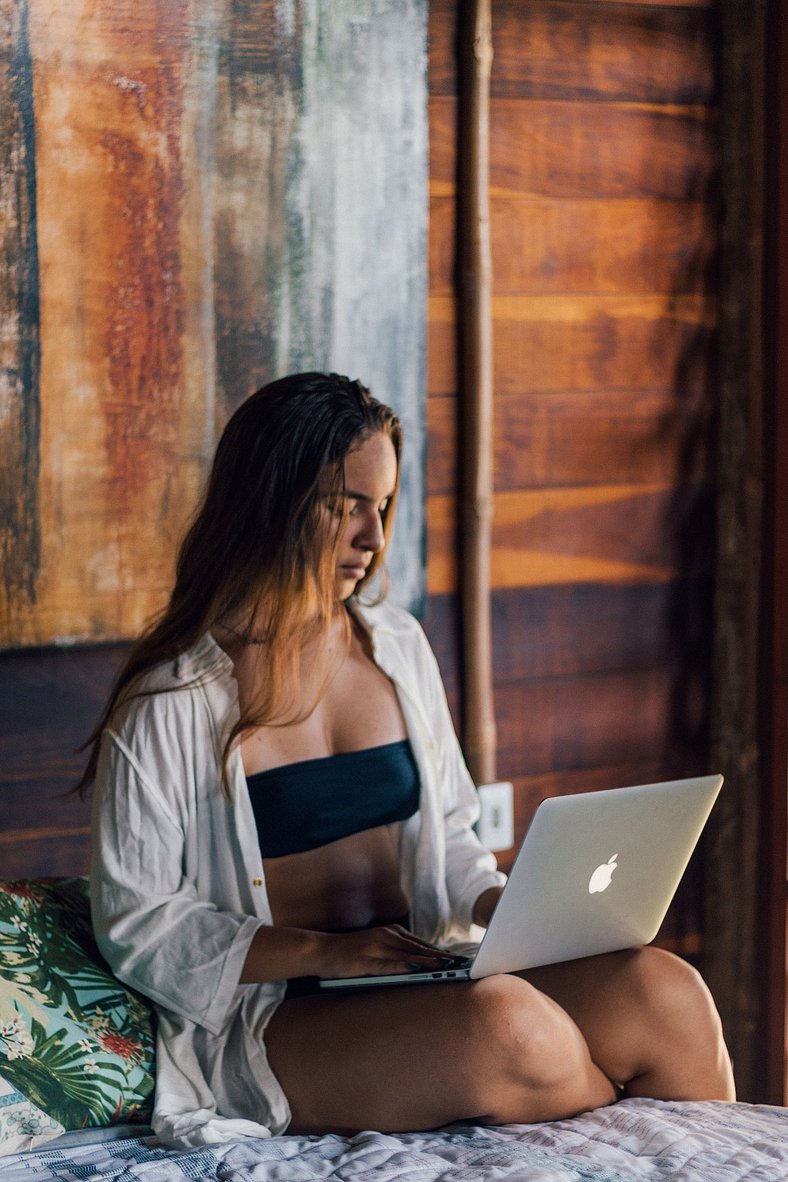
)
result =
(633, 1141)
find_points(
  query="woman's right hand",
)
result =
(278, 953)
(375, 952)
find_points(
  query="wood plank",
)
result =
(321, 212)
(543, 148)
(30, 855)
(113, 170)
(589, 534)
(546, 440)
(566, 724)
(709, 4)
(584, 342)
(255, 119)
(50, 700)
(20, 345)
(561, 49)
(616, 718)
(38, 801)
(540, 247)
(582, 630)
(773, 687)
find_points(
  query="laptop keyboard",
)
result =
(456, 962)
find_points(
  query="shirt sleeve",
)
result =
(154, 930)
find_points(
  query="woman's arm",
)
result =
(152, 926)
(485, 905)
(279, 953)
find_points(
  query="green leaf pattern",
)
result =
(73, 1039)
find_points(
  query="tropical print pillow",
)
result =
(22, 1125)
(74, 1041)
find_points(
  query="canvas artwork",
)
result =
(196, 196)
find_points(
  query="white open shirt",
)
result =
(177, 879)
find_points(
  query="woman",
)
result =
(280, 797)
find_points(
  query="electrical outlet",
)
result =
(496, 822)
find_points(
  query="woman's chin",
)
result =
(345, 588)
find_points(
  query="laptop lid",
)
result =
(595, 873)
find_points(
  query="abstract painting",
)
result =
(196, 196)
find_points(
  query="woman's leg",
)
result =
(418, 1057)
(648, 1020)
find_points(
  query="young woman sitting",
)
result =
(280, 797)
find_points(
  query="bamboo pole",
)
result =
(475, 328)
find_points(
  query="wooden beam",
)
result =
(477, 368)
(774, 679)
(733, 957)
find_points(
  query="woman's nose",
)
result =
(370, 536)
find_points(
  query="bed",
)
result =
(76, 1081)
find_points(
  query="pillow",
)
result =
(75, 1043)
(22, 1125)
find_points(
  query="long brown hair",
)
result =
(258, 550)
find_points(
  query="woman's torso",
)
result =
(354, 881)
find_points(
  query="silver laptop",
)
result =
(596, 873)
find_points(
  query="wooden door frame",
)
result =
(774, 599)
(744, 943)
(734, 851)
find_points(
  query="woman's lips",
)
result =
(353, 570)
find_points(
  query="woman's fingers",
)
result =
(412, 941)
(376, 951)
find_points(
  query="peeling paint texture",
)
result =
(197, 196)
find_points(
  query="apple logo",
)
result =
(600, 879)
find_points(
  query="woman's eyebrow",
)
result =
(360, 496)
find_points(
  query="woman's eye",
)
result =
(353, 509)
(334, 506)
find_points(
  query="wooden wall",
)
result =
(604, 214)
(604, 229)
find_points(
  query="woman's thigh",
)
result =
(644, 1013)
(417, 1057)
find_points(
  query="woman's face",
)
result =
(370, 482)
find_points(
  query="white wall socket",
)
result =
(496, 822)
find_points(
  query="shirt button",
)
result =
(257, 882)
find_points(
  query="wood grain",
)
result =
(248, 137)
(585, 534)
(546, 440)
(611, 246)
(112, 172)
(30, 854)
(562, 49)
(198, 227)
(20, 342)
(599, 720)
(585, 342)
(576, 724)
(50, 700)
(567, 150)
(580, 630)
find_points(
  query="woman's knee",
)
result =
(673, 993)
(525, 1038)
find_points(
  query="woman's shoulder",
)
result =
(198, 679)
(399, 641)
(387, 618)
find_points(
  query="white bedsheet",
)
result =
(632, 1141)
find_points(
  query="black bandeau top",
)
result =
(301, 806)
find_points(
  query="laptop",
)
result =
(596, 873)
